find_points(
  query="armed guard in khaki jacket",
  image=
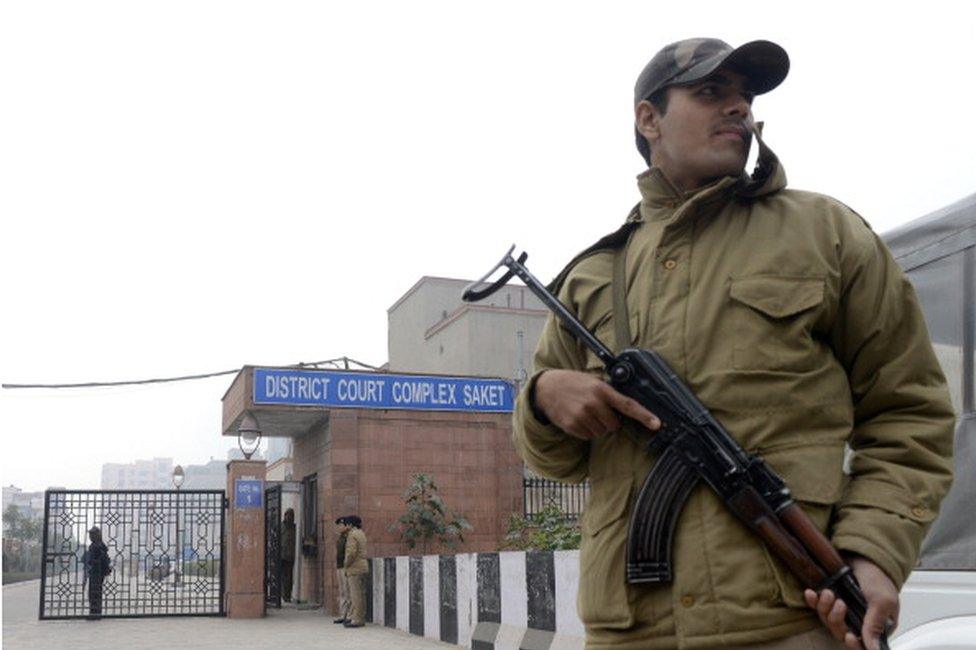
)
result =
(788, 318)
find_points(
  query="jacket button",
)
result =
(670, 264)
(687, 601)
(918, 511)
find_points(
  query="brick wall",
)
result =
(365, 459)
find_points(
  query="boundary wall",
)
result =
(484, 601)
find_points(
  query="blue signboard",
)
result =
(248, 493)
(381, 391)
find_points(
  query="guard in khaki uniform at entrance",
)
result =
(789, 319)
(343, 529)
(356, 570)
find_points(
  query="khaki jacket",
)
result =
(789, 319)
(355, 562)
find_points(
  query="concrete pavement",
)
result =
(284, 629)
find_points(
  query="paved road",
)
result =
(285, 629)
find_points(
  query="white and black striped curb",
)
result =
(517, 600)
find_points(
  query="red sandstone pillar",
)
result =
(245, 539)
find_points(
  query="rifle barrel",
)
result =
(569, 320)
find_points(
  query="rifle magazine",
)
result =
(652, 524)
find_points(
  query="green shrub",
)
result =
(550, 529)
(427, 522)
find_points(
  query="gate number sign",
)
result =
(248, 493)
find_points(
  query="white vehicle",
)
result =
(938, 252)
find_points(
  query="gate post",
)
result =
(245, 538)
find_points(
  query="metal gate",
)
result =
(165, 553)
(272, 546)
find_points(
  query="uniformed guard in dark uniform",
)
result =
(97, 566)
(344, 603)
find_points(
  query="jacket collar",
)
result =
(658, 192)
(660, 199)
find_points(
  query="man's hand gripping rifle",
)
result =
(692, 445)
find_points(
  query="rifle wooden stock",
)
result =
(798, 523)
(753, 511)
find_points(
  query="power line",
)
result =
(130, 382)
(334, 363)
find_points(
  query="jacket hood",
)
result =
(768, 176)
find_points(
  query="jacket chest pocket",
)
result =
(772, 320)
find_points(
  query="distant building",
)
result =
(209, 476)
(280, 459)
(155, 474)
(431, 330)
(30, 504)
(212, 475)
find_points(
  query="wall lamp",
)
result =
(249, 435)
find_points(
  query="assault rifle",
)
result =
(692, 445)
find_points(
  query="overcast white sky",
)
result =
(190, 186)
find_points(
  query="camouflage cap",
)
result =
(763, 63)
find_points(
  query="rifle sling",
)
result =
(621, 319)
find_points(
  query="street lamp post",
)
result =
(178, 478)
